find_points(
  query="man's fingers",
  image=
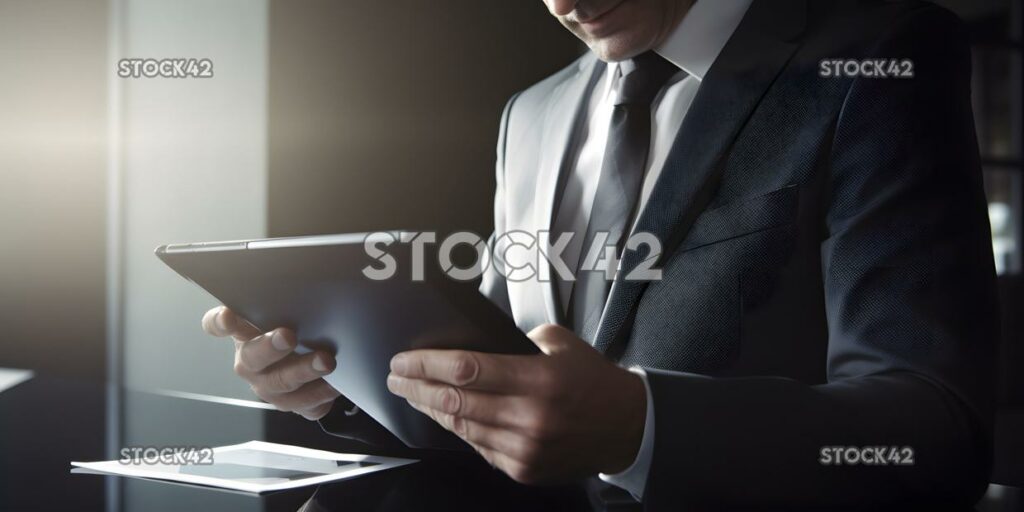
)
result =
(505, 450)
(288, 381)
(471, 370)
(221, 321)
(292, 373)
(209, 322)
(492, 409)
(317, 412)
(552, 339)
(306, 399)
(258, 353)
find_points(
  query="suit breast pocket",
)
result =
(742, 217)
(690, 319)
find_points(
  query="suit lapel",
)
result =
(563, 115)
(729, 93)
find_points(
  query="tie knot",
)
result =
(642, 77)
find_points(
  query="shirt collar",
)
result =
(700, 36)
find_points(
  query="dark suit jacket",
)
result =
(828, 277)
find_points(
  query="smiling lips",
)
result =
(595, 25)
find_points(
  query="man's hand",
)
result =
(566, 414)
(289, 381)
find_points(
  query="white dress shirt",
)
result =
(693, 46)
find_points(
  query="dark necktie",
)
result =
(618, 189)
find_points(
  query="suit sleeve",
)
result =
(910, 304)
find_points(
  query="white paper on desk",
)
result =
(257, 467)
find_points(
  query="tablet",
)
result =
(317, 287)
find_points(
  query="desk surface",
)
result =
(69, 422)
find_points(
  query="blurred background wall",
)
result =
(192, 166)
(53, 134)
(384, 115)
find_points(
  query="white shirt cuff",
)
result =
(634, 478)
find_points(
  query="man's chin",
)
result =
(617, 49)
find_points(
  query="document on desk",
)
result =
(254, 467)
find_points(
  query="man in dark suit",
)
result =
(822, 331)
